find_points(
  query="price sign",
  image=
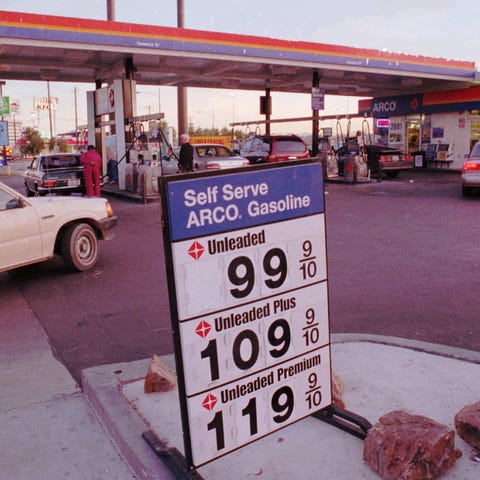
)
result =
(243, 340)
(271, 259)
(249, 302)
(222, 419)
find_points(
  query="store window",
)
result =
(474, 132)
(426, 130)
(395, 135)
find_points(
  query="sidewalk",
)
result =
(49, 431)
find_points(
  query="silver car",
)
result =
(471, 171)
(59, 173)
(206, 156)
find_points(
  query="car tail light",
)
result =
(471, 166)
(407, 157)
(49, 183)
(384, 158)
(212, 166)
(284, 158)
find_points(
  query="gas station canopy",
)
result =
(42, 47)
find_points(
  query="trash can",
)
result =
(350, 168)
(131, 177)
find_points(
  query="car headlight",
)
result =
(109, 209)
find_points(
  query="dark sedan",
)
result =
(60, 173)
(381, 159)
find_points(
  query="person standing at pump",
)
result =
(92, 162)
(185, 161)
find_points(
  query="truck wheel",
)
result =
(79, 247)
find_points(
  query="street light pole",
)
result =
(49, 109)
(233, 114)
(2, 83)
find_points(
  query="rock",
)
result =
(159, 377)
(402, 446)
(467, 423)
(337, 391)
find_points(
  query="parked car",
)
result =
(60, 173)
(206, 156)
(35, 229)
(471, 171)
(381, 159)
(274, 148)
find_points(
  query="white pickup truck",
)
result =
(35, 229)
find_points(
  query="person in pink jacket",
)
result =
(92, 162)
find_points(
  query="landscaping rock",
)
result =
(159, 377)
(402, 446)
(467, 423)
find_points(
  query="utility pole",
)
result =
(2, 83)
(76, 118)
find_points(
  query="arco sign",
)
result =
(394, 106)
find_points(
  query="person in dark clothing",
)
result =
(185, 161)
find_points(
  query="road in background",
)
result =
(403, 260)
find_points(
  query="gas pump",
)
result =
(144, 165)
(347, 154)
(135, 152)
(366, 137)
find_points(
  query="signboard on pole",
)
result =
(249, 302)
(4, 105)
(3, 133)
(44, 103)
(318, 99)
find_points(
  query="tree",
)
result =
(60, 143)
(32, 142)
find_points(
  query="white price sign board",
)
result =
(249, 302)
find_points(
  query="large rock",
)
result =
(402, 446)
(337, 391)
(159, 377)
(467, 423)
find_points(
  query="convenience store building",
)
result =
(443, 125)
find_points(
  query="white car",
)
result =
(471, 171)
(34, 229)
(206, 156)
